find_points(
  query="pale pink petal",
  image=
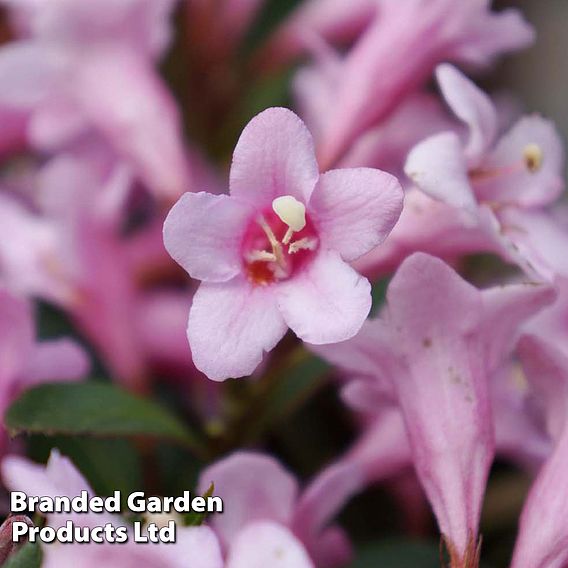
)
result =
(536, 241)
(202, 233)
(142, 24)
(334, 20)
(55, 122)
(363, 395)
(438, 167)
(472, 106)
(383, 450)
(505, 309)
(16, 338)
(29, 73)
(546, 369)
(195, 547)
(59, 360)
(122, 98)
(355, 209)
(327, 302)
(444, 395)
(274, 156)
(518, 184)
(542, 541)
(59, 477)
(264, 544)
(231, 326)
(520, 435)
(367, 354)
(489, 34)
(254, 487)
(321, 502)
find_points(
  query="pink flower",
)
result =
(195, 547)
(274, 253)
(398, 51)
(24, 362)
(68, 248)
(266, 522)
(82, 68)
(543, 534)
(434, 350)
(499, 188)
(334, 20)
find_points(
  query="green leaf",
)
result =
(195, 519)
(95, 409)
(29, 556)
(398, 553)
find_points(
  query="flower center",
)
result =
(531, 161)
(278, 242)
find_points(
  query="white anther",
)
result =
(290, 211)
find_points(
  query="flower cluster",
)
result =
(397, 235)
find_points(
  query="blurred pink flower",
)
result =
(497, 188)
(88, 68)
(435, 350)
(543, 534)
(25, 362)
(195, 547)
(397, 52)
(67, 247)
(274, 253)
(266, 522)
(336, 21)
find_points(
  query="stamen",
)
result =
(292, 213)
(260, 256)
(532, 155)
(303, 244)
(276, 246)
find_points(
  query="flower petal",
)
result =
(29, 73)
(231, 326)
(58, 360)
(267, 544)
(253, 487)
(122, 98)
(444, 396)
(505, 309)
(542, 541)
(327, 302)
(274, 156)
(534, 240)
(59, 477)
(16, 337)
(321, 502)
(356, 209)
(438, 167)
(527, 187)
(471, 105)
(202, 233)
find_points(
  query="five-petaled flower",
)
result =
(274, 253)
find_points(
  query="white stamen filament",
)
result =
(303, 244)
(532, 161)
(261, 256)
